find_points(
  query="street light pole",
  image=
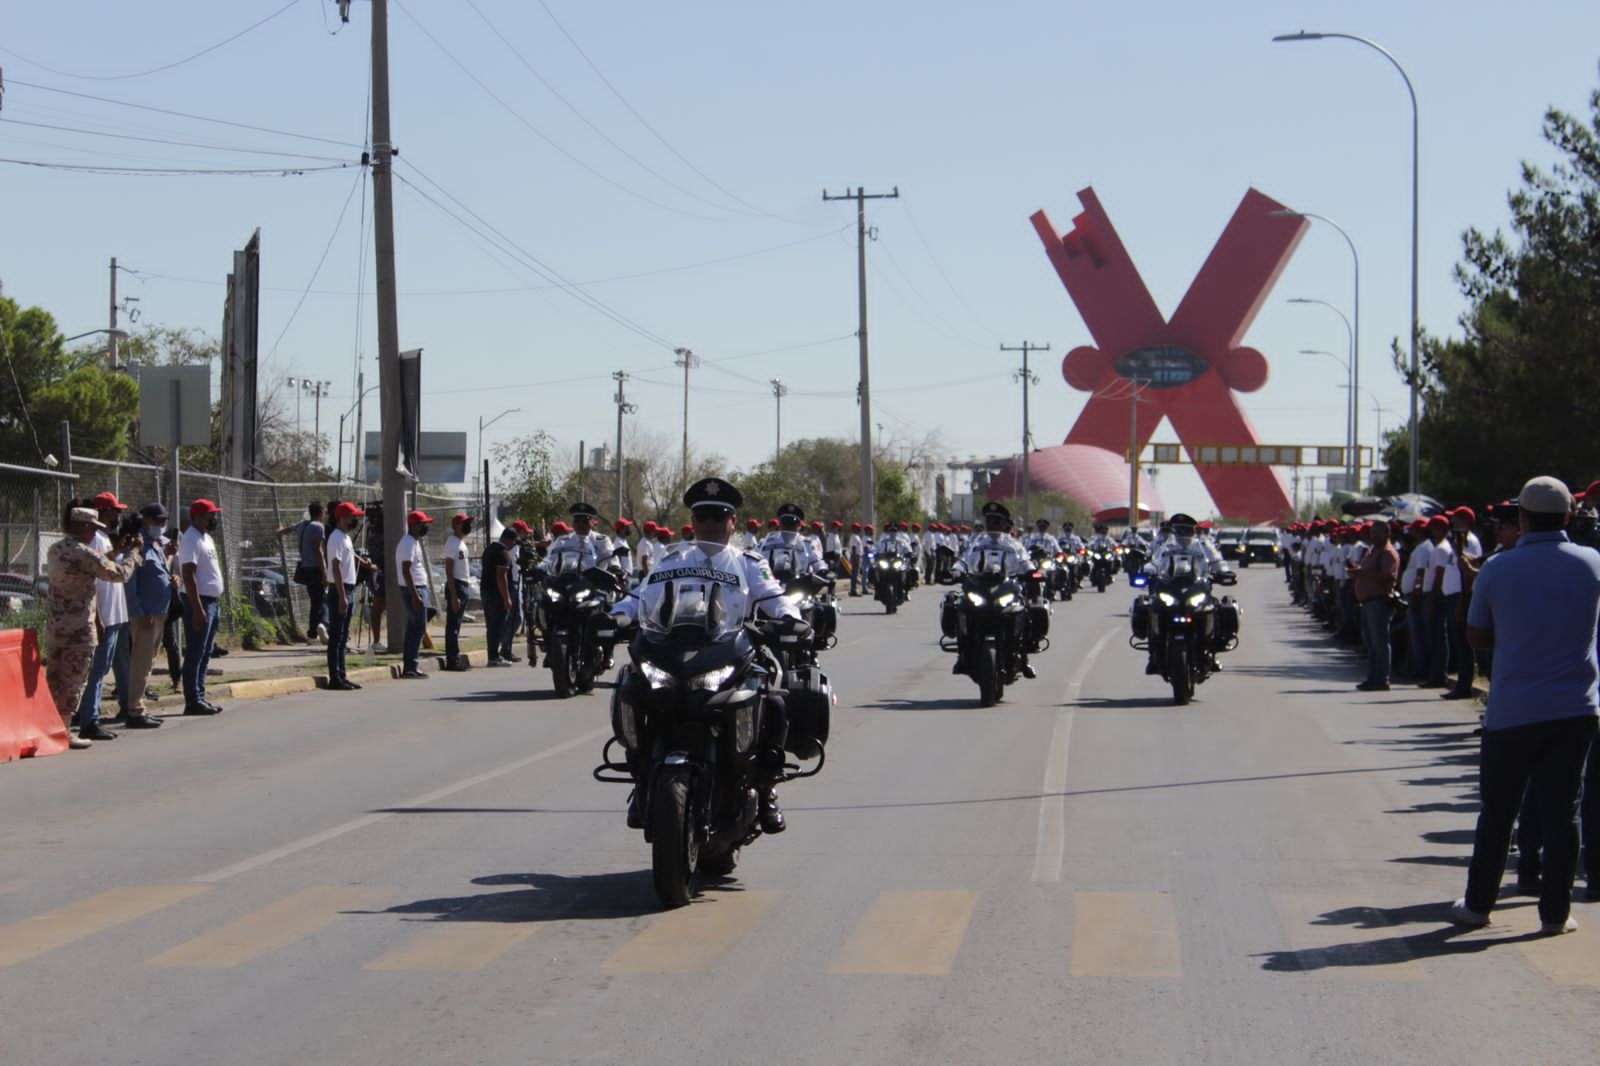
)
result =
(1355, 332)
(1349, 425)
(1415, 435)
(779, 391)
(1349, 363)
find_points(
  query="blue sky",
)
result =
(981, 114)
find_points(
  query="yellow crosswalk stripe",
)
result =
(1125, 934)
(271, 928)
(691, 938)
(23, 940)
(453, 947)
(908, 933)
(1356, 942)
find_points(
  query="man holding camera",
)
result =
(74, 566)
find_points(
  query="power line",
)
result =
(938, 266)
(180, 114)
(540, 134)
(646, 123)
(86, 168)
(164, 67)
(570, 106)
(163, 140)
(323, 258)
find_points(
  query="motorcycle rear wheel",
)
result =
(1178, 674)
(673, 848)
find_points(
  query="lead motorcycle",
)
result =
(985, 625)
(889, 580)
(573, 606)
(698, 704)
(1184, 627)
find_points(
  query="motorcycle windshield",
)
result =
(992, 561)
(690, 605)
(566, 562)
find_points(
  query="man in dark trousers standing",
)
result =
(1538, 607)
(1372, 581)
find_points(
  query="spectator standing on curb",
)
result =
(73, 568)
(411, 581)
(1458, 581)
(340, 554)
(310, 571)
(1538, 606)
(111, 625)
(149, 599)
(456, 573)
(202, 589)
(1436, 623)
(495, 582)
(1373, 580)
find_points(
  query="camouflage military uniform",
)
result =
(73, 568)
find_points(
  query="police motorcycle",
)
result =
(1102, 565)
(985, 624)
(812, 594)
(1183, 627)
(572, 608)
(889, 579)
(1052, 575)
(707, 714)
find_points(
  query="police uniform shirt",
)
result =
(590, 549)
(748, 587)
(894, 542)
(1203, 557)
(804, 551)
(989, 552)
(1100, 542)
(1047, 541)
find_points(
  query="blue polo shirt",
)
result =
(150, 589)
(1542, 601)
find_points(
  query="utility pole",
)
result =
(623, 408)
(1139, 385)
(864, 394)
(779, 391)
(111, 337)
(393, 485)
(688, 360)
(1027, 378)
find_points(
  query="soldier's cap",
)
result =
(994, 508)
(523, 528)
(414, 518)
(347, 509)
(153, 510)
(203, 506)
(585, 509)
(713, 492)
(1545, 495)
(86, 516)
(790, 510)
(622, 523)
(107, 501)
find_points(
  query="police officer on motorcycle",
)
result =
(751, 590)
(1041, 537)
(791, 536)
(995, 549)
(593, 549)
(1182, 550)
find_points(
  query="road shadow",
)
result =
(1449, 939)
(1131, 703)
(502, 696)
(616, 811)
(1461, 861)
(540, 897)
(945, 703)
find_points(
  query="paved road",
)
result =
(425, 873)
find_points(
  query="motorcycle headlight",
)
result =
(1005, 599)
(883, 564)
(1167, 599)
(975, 599)
(744, 726)
(657, 677)
(898, 565)
(581, 595)
(711, 680)
(1197, 599)
(552, 595)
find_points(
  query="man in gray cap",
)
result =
(1538, 607)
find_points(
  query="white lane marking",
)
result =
(296, 846)
(1050, 846)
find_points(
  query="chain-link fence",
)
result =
(32, 506)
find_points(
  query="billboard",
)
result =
(441, 458)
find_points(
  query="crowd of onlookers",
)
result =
(1429, 603)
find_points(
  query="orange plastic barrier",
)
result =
(29, 724)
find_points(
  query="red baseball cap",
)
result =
(772, 523)
(522, 527)
(107, 501)
(461, 516)
(855, 527)
(1592, 491)
(752, 523)
(1438, 521)
(687, 531)
(622, 523)
(422, 517)
(1465, 512)
(837, 524)
(346, 509)
(557, 527)
(204, 506)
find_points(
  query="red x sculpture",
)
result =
(1191, 364)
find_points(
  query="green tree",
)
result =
(1508, 399)
(42, 385)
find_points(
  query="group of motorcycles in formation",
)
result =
(722, 697)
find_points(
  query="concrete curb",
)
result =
(267, 687)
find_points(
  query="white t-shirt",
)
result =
(1452, 574)
(408, 553)
(1414, 566)
(110, 597)
(197, 547)
(341, 555)
(455, 550)
(1442, 554)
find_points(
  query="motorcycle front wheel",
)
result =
(987, 674)
(560, 672)
(673, 847)
(1178, 674)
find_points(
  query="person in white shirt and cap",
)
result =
(411, 582)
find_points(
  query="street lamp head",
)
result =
(1301, 36)
(1300, 300)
